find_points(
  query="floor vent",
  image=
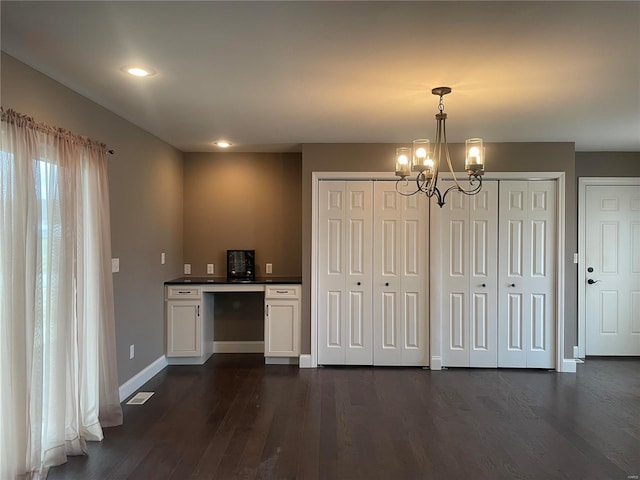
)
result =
(139, 398)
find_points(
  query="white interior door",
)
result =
(526, 282)
(345, 272)
(612, 262)
(467, 231)
(400, 277)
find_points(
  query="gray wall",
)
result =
(607, 164)
(501, 157)
(145, 186)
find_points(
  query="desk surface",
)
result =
(226, 281)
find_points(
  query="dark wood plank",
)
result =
(235, 418)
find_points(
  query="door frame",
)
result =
(435, 329)
(583, 183)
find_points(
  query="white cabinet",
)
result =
(189, 336)
(282, 321)
(372, 275)
(184, 328)
(184, 325)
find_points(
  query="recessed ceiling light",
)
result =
(138, 71)
(223, 144)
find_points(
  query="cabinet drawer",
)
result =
(183, 292)
(282, 291)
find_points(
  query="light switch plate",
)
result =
(269, 268)
(210, 269)
(163, 258)
(575, 258)
(187, 269)
(115, 265)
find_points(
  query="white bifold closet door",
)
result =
(345, 233)
(372, 275)
(527, 277)
(400, 276)
(466, 231)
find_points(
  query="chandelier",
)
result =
(426, 163)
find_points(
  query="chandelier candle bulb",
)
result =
(475, 155)
(420, 155)
(402, 162)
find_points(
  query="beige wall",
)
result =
(501, 157)
(243, 201)
(145, 187)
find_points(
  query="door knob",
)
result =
(512, 284)
(358, 283)
(386, 284)
(591, 281)
(483, 285)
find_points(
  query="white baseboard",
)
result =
(142, 377)
(436, 363)
(305, 361)
(238, 347)
(569, 365)
(281, 360)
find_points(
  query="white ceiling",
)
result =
(269, 76)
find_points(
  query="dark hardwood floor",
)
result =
(235, 418)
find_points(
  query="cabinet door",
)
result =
(400, 277)
(527, 275)
(184, 329)
(282, 328)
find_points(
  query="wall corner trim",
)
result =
(142, 377)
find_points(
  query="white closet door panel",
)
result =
(483, 277)
(357, 309)
(387, 278)
(466, 229)
(541, 288)
(331, 275)
(527, 277)
(453, 221)
(344, 279)
(414, 311)
(400, 277)
(513, 281)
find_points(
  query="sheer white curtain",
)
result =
(58, 381)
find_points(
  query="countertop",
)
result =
(226, 281)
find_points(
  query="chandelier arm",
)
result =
(472, 180)
(453, 173)
(401, 192)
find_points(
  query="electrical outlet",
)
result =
(187, 269)
(132, 351)
(163, 259)
(210, 269)
(269, 268)
(115, 265)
